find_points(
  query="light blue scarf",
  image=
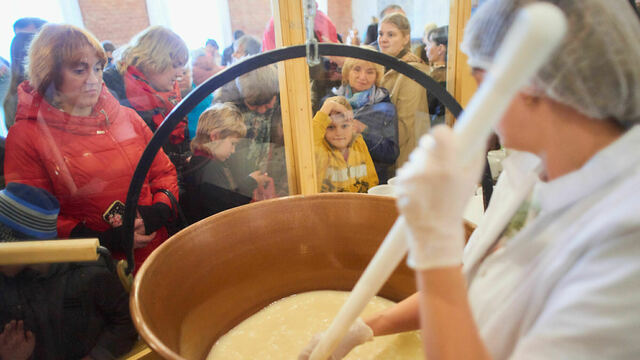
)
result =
(370, 96)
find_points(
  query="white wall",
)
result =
(210, 21)
(48, 10)
(429, 11)
(323, 5)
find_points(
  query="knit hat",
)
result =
(27, 212)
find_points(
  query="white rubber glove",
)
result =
(358, 334)
(432, 189)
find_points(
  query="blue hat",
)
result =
(30, 212)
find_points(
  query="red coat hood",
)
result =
(33, 106)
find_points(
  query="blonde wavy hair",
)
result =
(154, 49)
(223, 118)
(349, 63)
(55, 46)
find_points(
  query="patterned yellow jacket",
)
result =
(334, 174)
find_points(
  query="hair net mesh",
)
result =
(596, 70)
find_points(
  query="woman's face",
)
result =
(362, 76)
(81, 84)
(185, 81)
(391, 40)
(164, 81)
(239, 53)
(203, 68)
(517, 128)
(435, 52)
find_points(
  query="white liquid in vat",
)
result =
(282, 329)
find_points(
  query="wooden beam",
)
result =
(295, 97)
(48, 251)
(460, 83)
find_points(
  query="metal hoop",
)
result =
(161, 135)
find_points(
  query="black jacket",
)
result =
(209, 189)
(75, 310)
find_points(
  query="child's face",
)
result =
(340, 132)
(225, 147)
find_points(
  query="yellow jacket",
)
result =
(334, 174)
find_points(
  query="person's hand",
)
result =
(433, 188)
(140, 238)
(260, 177)
(331, 107)
(359, 126)
(359, 333)
(15, 343)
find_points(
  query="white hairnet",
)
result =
(596, 70)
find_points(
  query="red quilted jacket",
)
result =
(86, 162)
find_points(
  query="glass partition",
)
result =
(80, 134)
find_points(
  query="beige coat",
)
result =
(410, 99)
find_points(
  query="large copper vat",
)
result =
(212, 275)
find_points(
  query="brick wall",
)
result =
(119, 20)
(115, 20)
(339, 12)
(255, 20)
(250, 16)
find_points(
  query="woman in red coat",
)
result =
(74, 139)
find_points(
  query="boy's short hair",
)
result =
(54, 46)
(224, 118)
(156, 48)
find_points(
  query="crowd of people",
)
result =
(80, 113)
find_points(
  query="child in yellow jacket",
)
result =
(343, 162)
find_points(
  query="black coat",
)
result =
(209, 189)
(75, 310)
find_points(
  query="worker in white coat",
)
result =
(553, 269)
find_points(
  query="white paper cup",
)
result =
(392, 181)
(384, 190)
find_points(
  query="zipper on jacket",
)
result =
(106, 119)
